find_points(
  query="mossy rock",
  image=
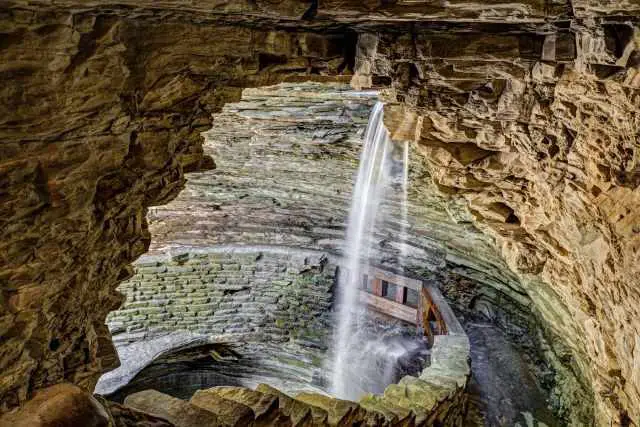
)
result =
(340, 412)
(299, 412)
(396, 416)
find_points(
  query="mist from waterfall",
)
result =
(380, 353)
(372, 180)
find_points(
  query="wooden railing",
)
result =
(424, 312)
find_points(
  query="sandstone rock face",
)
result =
(59, 405)
(529, 116)
(67, 405)
(179, 412)
(538, 136)
(101, 120)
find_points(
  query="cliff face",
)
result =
(102, 112)
(527, 112)
(538, 134)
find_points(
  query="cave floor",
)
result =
(503, 390)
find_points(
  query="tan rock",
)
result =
(177, 411)
(61, 405)
(229, 412)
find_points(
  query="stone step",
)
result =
(299, 412)
(229, 412)
(177, 411)
(416, 395)
(342, 413)
(265, 406)
(395, 416)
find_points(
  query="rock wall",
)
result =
(538, 137)
(102, 114)
(287, 156)
(233, 295)
(529, 117)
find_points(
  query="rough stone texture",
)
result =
(59, 405)
(529, 114)
(67, 405)
(177, 411)
(124, 416)
(538, 136)
(232, 295)
(230, 412)
(101, 120)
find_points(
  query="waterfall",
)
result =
(372, 179)
(405, 194)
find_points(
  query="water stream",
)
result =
(404, 207)
(373, 180)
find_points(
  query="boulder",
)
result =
(61, 405)
(177, 411)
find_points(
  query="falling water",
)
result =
(405, 194)
(373, 175)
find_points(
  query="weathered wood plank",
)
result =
(390, 308)
(401, 294)
(396, 279)
(376, 286)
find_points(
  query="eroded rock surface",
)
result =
(538, 135)
(529, 116)
(101, 119)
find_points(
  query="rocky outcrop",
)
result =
(528, 116)
(101, 119)
(419, 406)
(538, 137)
(67, 405)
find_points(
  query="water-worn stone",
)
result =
(230, 412)
(61, 405)
(177, 411)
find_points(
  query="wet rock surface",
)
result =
(529, 115)
(503, 388)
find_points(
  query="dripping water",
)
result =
(404, 207)
(373, 177)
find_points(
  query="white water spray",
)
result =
(373, 176)
(405, 194)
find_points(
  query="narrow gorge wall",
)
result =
(529, 116)
(538, 135)
(233, 295)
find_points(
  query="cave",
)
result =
(177, 188)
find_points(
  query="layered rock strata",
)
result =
(538, 137)
(529, 113)
(234, 296)
(101, 119)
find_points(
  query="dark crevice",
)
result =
(267, 59)
(312, 11)
(350, 46)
